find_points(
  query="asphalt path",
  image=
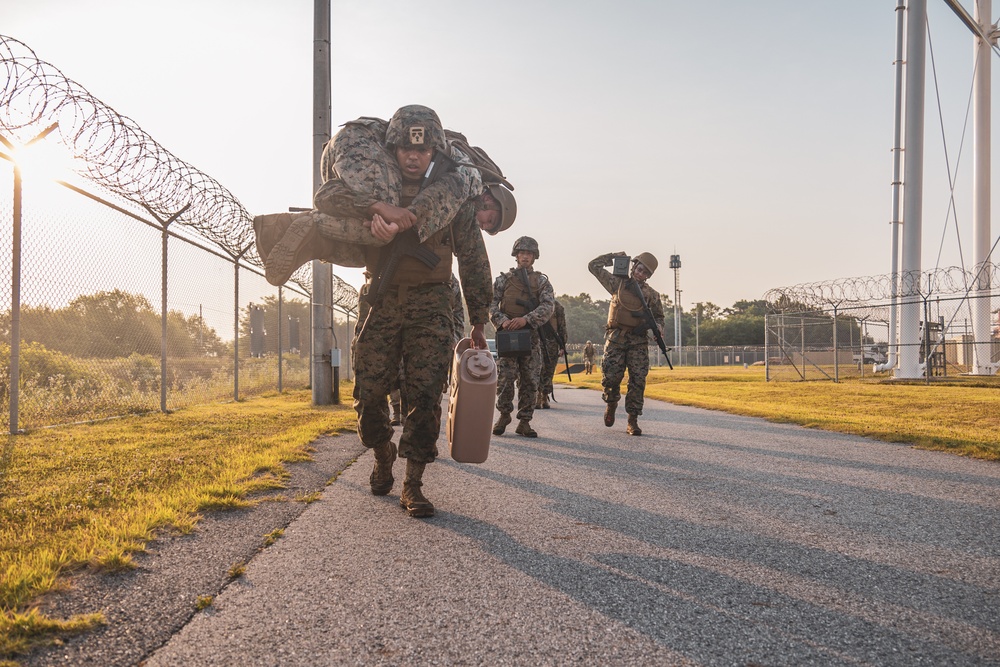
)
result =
(712, 539)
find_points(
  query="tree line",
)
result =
(115, 323)
(741, 324)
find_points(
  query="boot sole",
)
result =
(418, 511)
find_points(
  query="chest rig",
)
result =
(516, 291)
(626, 308)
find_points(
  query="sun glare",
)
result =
(43, 160)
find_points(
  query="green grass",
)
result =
(91, 496)
(963, 418)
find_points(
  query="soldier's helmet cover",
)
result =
(416, 126)
(508, 207)
(647, 260)
(525, 243)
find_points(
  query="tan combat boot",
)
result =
(381, 479)
(524, 428)
(633, 425)
(397, 418)
(609, 414)
(298, 241)
(268, 230)
(538, 400)
(501, 424)
(545, 401)
(411, 499)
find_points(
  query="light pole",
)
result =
(675, 264)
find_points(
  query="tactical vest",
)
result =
(411, 271)
(555, 321)
(515, 291)
(625, 302)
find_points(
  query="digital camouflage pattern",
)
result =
(416, 325)
(625, 350)
(522, 372)
(416, 125)
(457, 310)
(551, 357)
(519, 373)
(358, 170)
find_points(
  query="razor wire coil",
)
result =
(112, 151)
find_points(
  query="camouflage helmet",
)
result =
(525, 243)
(647, 260)
(508, 207)
(415, 126)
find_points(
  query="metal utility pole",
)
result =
(913, 187)
(675, 264)
(981, 331)
(322, 274)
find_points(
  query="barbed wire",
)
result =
(115, 153)
(875, 292)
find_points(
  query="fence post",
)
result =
(280, 323)
(767, 348)
(15, 303)
(836, 349)
(15, 283)
(164, 236)
(927, 342)
(236, 330)
(163, 318)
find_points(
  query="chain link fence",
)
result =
(135, 287)
(856, 340)
(688, 355)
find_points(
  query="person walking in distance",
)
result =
(588, 358)
(522, 299)
(626, 343)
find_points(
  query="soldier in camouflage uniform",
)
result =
(509, 310)
(588, 358)
(362, 179)
(626, 344)
(554, 348)
(413, 322)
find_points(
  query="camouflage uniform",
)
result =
(396, 399)
(624, 349)
(522, 371)
(551, 357)
(358, 170)
(415, 324)
(588, 357)
(457, 311)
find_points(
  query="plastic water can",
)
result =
(470, 407)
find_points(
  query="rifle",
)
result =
(546, 330)
(405, 244)
(647, 315)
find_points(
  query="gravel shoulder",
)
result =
(145, 606)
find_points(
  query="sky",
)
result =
(752, 139)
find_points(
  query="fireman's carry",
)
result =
(470, 408)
